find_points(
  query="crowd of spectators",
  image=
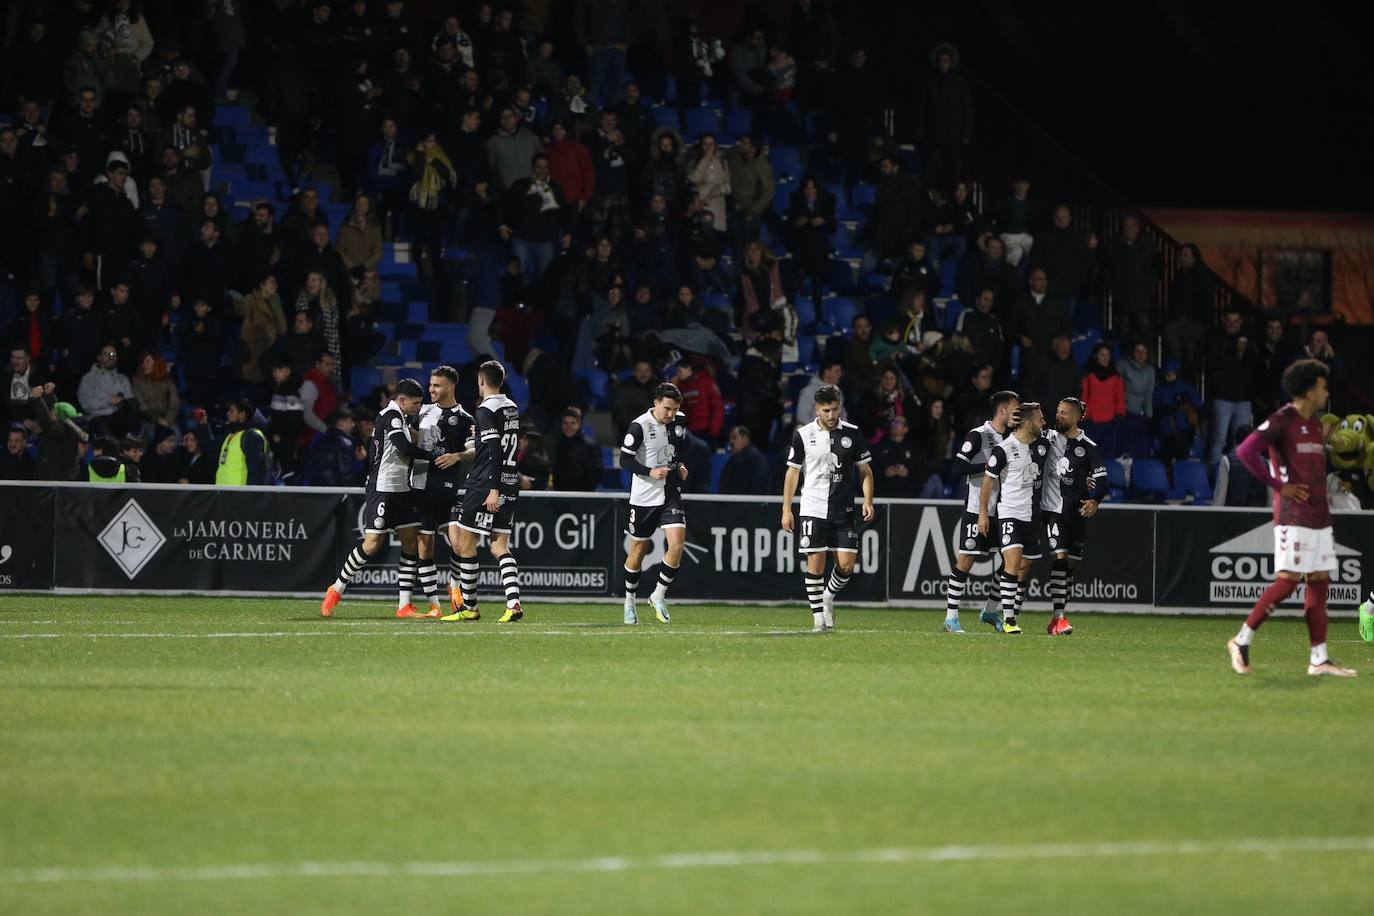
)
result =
(149, 321)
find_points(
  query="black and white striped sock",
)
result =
(815, 592)
(631, 583)
(467, 581)
(352, 565)
(1020, 594)
(405, 579)
(455, 571)
(954, 593)
(666, 574)
(510, 579)
(1059, 578)
(429, 580)
(1008, 589)
(838, 581)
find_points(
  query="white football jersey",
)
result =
(974, 451)
(827, 461)
(1018, 464)
(655, 445)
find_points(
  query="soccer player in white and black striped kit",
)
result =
(971, 460)
(488, 506)
(446, 435)
(390, 505)
(652, 451)
(1016, 464)
(1074, 481)
(824, 456)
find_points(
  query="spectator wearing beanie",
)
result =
(160, 463)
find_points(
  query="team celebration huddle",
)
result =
(1035, 481)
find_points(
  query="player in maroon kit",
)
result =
(1303, 543)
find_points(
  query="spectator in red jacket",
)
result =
(570, 164)
(1104, 394)
(701, 401)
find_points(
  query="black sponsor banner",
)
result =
(1117, 565)
(27, 539)
(1226, 559)
(737, 551)
(564, 544)
(194, 539)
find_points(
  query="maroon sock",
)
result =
(1315, 605)
(1272, 596)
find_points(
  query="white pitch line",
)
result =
(685, 860)
(435, 632)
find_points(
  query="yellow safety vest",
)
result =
(96, 478)
(233, 464)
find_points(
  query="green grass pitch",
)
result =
(239, 756)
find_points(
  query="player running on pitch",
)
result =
(488, 506)
(390, 506)
(1075, 477)
(1304, 547)
(971, 460)
(650, 452)
(1016, 463)
(446, 436)
(824, 455)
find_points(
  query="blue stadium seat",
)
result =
(841, 275)
(863, 197)
(717, 466)
(519, 390)
(667, 117)
(1082, 346)
(596, 385)
(953, 309)
(1116, 481)
(363, 379)
(1190, 479)
(949, 277)
(839, 311)
(738, 121)
(782, 195)
(717, 301)
(670, 89)
(1136, 439)
(1087, 315)
(1149, 480)
(786, 160)
(806, 310)
(702, 121)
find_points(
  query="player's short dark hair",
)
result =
(668, 390)
(1025, 409)
(105, 445)
(243, 406)
(1075, 402)
(409, 388)
(493, 373)
(828, 394)
(446, 372)
(1299, 378)
(130, 442)
(1004, 397)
